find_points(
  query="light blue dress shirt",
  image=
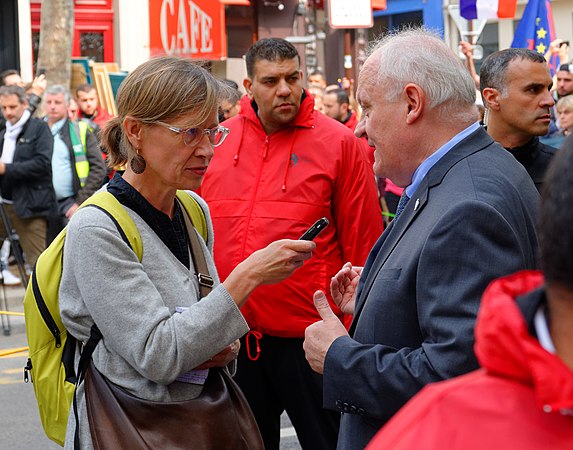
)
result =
(429, 162)
(61, 164)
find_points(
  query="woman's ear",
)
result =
(133, 129)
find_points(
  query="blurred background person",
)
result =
(73, 109)
(25, 174)
(78, 169)
(562, 87)
(565, 114)
(467, 50)
(34, 91)
(317, 78)
(90, 108)
(231, 101)
(560, 48)
(318, 93)
(335, 104)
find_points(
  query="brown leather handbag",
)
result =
(220, 418)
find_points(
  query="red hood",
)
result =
(305, 118)
(101, 116)
(352, 121)
(505, 347)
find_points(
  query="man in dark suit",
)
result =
(468, 220)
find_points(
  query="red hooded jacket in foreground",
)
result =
(522, 398)
(263, 188)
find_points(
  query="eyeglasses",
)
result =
(215, 135)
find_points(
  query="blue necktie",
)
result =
(401, 204)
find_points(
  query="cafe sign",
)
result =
(187, 28)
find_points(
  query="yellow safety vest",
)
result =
(79, 147)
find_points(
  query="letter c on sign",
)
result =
(163, 24)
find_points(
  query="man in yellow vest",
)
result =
(78, 169)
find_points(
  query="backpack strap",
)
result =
(106, 202)
(194, 212)
(201, 270)
(85, 359)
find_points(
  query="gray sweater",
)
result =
(145, 345)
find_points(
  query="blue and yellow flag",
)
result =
(536, 30)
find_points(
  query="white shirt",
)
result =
(12, 132)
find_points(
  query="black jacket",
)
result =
(27, 181)
(535, 157)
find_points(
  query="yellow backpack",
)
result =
(51, 359)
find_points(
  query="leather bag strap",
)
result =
(205, 280)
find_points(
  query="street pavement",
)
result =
(20, 426)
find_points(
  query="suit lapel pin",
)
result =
(416, 204)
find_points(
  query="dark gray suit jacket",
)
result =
(469, 222)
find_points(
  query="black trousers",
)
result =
(281, 379)
(58, 220)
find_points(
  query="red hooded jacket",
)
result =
(351, 121)
(263, 188)
(522, 398)
(100, 118)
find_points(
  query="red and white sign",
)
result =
(188, 28)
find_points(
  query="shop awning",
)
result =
(378, 4)
(244, 2)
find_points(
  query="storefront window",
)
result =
(240, 30)
(91, 45)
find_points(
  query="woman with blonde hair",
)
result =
(161, 339)
(565, 114)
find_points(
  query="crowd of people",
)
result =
(49, 166)
(366, 336)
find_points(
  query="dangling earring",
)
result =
(138, 163)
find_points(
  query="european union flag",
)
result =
(536, 30)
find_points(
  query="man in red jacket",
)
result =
(90, 108)
(336, 104)
(283, 166)
(523, 395)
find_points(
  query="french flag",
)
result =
(487, 9)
